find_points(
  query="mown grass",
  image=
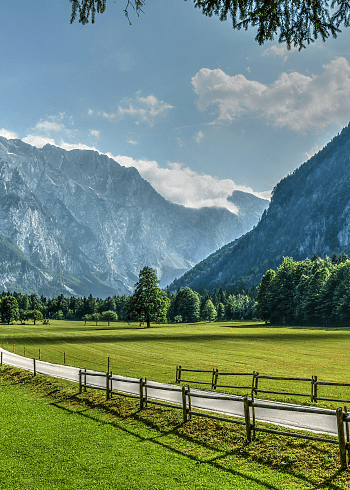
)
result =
(54, 438)
(230, 346)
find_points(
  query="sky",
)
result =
(198, 108)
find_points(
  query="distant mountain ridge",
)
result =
(309, 213)
(78, 222)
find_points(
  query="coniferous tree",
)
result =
(295, 23)
(209, 311)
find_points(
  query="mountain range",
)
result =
(309, 213)
(77, 222)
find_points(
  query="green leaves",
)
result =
(149, 302)
(9, 309)
(295, 23)
(307, 292)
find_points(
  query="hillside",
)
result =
(309, 213)
(77, 222)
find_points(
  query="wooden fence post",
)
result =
(341, 437)
(141, 394)
(80, 382)
(145, 397)
(24, 351)
(347, 431)
(179, 378)
(214, 380)
(108, 364)
(107, 385)
(1, 358)
(255, 382)
(184, 404)
(315, 389)
(64, 358)
(247, 419)
(34, 367)
(39, 354)
(84, 380)
(14, 348)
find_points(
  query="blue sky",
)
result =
(198, 108)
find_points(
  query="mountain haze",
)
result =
(309, 213)
(78, 222)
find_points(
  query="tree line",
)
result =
(308, 292)
(148, 304)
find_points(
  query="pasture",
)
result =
(155, 352)
(111, 444)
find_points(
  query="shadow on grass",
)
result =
(299, 336)
(217, 461)
(169, 447)
(91, 406)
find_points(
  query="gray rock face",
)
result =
(81, 222)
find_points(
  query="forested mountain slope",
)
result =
(78, 222)
(309, 213)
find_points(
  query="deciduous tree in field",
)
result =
(34, 315)
(149, 302)
(9, 310)
(86, 318)
(95, 317)
(109, 316)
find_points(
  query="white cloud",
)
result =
(199, 136)
(310, 153)
(8, 134)
(143, 109)
(279, 50)
(133, 142)
(182, 185)
(294, 100)
(95, 133)
(76, 146)
(90, 112)
(54, 123)
(38, 141)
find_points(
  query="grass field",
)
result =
(53, 438)
(154, 353)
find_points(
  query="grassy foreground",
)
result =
(231, 346)
(53, 438)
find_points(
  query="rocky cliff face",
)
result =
(309, 213)
(79, 222)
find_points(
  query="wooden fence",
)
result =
(249, 406)
(184, 399)
(254, 387)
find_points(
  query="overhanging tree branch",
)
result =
(295, 23)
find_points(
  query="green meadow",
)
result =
(155, 352)
(54, 438)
